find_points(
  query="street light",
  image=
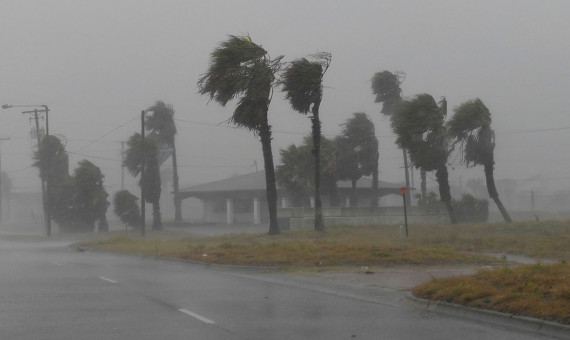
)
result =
(45, 177)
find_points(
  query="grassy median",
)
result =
(538, 290)
(367, 245)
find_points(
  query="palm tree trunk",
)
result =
(407, 177)
(156, 220)
(271, 189)
(103, 224)
(316, 127)
(177, 201)
(353, 196)
(492, 189)
(374, 202)
(445, 192)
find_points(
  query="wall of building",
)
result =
(300, 218)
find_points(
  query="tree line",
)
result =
(241, 69)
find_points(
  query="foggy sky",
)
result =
(97, 64)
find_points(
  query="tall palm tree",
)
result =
(161, 124)
(303, 85)
(387, 88)
(240, 68)
(419, 126)
(138, 155)
(471, 127)
(359, 134)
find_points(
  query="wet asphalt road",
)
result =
(48, 291)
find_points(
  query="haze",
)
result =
(97, 64)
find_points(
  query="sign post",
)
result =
(404, 191)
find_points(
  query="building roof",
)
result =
(255, 182)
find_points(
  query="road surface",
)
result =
(49, 291)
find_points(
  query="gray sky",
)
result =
(97, 64)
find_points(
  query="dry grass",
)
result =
(538, 290)
(362, 245)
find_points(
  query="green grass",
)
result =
(538, 290)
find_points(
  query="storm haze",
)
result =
(97, 64)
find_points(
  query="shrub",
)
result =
(471, 209)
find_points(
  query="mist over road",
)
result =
(49, 291)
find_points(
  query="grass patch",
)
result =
(368, 245)
(538, 290)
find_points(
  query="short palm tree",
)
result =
(161, 123)
(303, 87)
(240, 68)
(419, 126)
(471, 127)
(138, 155)
(359, 135)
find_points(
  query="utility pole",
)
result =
(143, 163)
(45, 177)
(122, 165)
(1, 186)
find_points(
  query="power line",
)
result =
(96, 157)
(108, 133)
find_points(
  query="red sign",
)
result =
(403, 190)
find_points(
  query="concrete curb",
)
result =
(523, 323)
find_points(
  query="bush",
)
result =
(471, 209)
(126, 208)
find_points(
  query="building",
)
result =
(242, 199)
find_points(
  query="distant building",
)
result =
(242, 199)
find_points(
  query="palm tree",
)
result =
(387, 88)
(471, 127)
(303, 85)
(241, 68)
(138, 155)
(419, 126)
(360, 138)
(294, 173)
(160, 123)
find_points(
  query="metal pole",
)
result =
(143, 163)
(48, 214)
(122, 165)
(1, 187)
(405, 213)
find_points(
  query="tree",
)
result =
(58, 172)
(296, 167)
(347, 165)
(138, 155)
(76, 202)
(470, 126)
(90, 198)
(58, 167)
(240, 68)
(419, 126)
(387, 88)
(160, 123)
(303, 87)
(126, 208)
(360, 140)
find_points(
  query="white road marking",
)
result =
(196, 316)
(107, 279)
(56, 263)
